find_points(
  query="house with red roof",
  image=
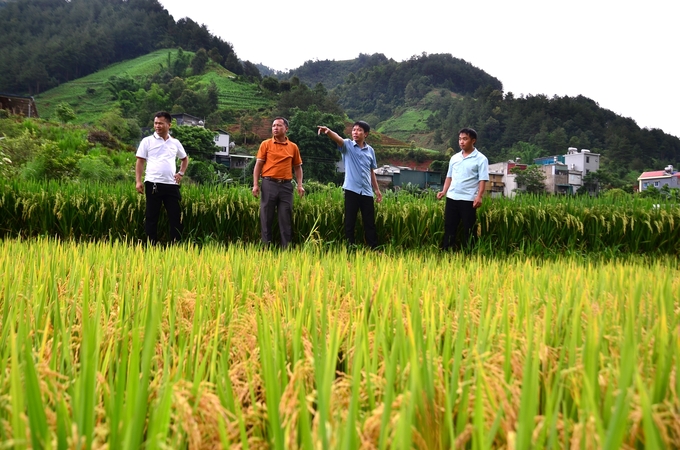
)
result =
(659, 178)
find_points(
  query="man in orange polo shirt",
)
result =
(277, 160)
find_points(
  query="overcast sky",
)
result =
(625, 56)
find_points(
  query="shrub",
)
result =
(96, 168)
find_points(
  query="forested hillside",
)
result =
(427, 99)
(44, 43)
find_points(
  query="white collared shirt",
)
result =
(160, 156)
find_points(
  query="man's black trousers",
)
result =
(353, 204)
(456, 211)
(158, 194)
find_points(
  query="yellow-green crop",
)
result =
(118, 346)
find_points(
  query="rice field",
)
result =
(535, 226)
(112, 345)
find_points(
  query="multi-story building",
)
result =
(584, 162)
(578, 165)
(557, 178)
(501, 181)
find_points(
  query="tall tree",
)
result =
(319, 154)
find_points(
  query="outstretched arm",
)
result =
(335, 137)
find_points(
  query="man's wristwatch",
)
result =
(181, 173)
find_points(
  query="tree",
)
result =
(197, 141)
(215, 55)
(199, 61)
(251, 72)
(531, 179)
(319, 154)
(126, 130)
(271, 84)
(65, 113)
(179, 66)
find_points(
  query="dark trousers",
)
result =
(455, 212)
(276, 197)
(158, 194)
(353, 204)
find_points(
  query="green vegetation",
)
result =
(531, 179)
(404, 125)
(40, 150)
(45, 44)
(91, 96)
(126, 347)
(537, 226)
(235, 94)
(450, 94)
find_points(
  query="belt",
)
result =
(276, 180)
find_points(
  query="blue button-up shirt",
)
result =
(465, 174)
(359, 162)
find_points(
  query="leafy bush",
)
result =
(201, 172)
(22, 148)
(96, 168)
(50, 164)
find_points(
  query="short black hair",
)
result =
(364, 126)
(164, 114)
(470, 132)
(285, 121)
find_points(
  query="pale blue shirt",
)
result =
(359, 162)
(465, 174)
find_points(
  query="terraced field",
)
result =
(89, 97)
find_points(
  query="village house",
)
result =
(659, 178)
(18, 105)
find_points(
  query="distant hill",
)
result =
(46, 43)
(427, 99)
(332, 73)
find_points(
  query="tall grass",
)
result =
(534, 226)
(187, 347)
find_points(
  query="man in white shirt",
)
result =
(464, 188)
(158, 153)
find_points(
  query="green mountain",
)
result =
(44, 43)
(427, 99)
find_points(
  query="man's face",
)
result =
(466, 143)
(358, 134)
(279, 128)
(161, 125)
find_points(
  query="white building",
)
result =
(584, 162)
(222, 142)
(501, 181)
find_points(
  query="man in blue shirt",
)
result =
(464, 187)
(360, 180)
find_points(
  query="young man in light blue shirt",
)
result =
(360, 180)
(464, 188)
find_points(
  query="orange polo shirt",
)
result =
(279, 158)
